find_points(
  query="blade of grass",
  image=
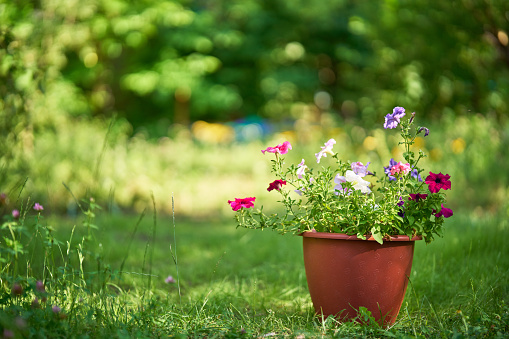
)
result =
(153, 241)
(130, 243)
(174, 254)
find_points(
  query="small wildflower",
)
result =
(3, 199)
(15, 214)
(20, 323)
(38, 207)
(170, 280)
(17, 289)
(8, 333)
(56, 309)
(239, 203)
(35, 303)
(276, 185)
(39, 286)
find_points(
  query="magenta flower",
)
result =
(15, 214)
(445, 212)
(56, 309)
(279, 149)
(38, 207)
(327, 148)
(170, 280)
(417, 196)
(276, 185)
(359, 169)
(400, 168)
(437, 181)
(238, 203)
(392, 120)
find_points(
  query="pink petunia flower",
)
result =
(38, 207)
(445, 212)
(279, 149)
(276, 185)
(238, 203)
(400, 168)
(438, 181)
(417, 196)
(326, 149)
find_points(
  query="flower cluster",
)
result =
(353, 200)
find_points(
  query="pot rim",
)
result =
(343, 236)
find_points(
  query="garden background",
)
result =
(163, 107)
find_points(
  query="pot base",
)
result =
(346, 274)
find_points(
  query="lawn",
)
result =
(236, 282)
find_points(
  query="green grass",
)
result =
(236, 282)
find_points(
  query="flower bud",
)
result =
(426, 131)
(412, 118)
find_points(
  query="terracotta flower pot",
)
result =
(345, 273)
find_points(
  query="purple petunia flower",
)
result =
(392, 119)
(359, 169)
(415, 174)
(398, 112)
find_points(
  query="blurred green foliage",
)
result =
(70, 68)
(156, 62)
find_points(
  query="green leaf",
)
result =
(377, 235)
(411, 220)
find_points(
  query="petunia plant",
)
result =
(340, 199)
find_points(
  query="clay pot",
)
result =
(344, 273)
